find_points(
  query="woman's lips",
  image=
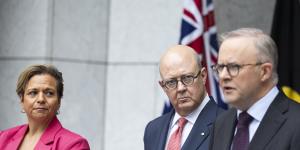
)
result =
(41, 108)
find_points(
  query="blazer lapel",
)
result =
(164, 130)
(270, 124)
(200, 130)
(17, 138)
(48, 136)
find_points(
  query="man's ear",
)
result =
(266, 71)
(203, 74)
(162, 85)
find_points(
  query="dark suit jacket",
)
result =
(278, 130)
(157, 130)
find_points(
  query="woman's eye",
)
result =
(49, 93)
(32, 93)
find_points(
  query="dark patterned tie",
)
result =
(241, 138)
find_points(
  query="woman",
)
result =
(40, 88)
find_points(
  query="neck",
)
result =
(263, 90)
(37, 127)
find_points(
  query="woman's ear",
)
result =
(21, 98)
(22, 104)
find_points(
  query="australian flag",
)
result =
(198, 30)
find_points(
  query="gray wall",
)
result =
(108, 51)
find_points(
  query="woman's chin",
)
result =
(41, 116)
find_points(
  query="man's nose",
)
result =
(224, 74)
(180, 86)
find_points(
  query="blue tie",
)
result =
(241, 138)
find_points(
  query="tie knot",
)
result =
(181, 122)
(244, 119)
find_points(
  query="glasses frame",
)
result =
(164, 82)
(230, 67)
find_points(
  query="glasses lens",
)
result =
(187, 80)
(219, 68)
(171, 84)
(233, 69)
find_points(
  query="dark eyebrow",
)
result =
(170, 79)
(50, 89)
(184, 75)
(31, 89)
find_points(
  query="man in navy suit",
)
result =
(247, 74)
(183, 80)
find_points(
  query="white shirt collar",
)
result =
(192, 117)
(259, 108)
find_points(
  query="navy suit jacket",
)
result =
(278, 130)
(156, 131)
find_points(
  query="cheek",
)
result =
(54, 103)
(172, 97)
(26, 102)
(197, 90)
(245, 84)
(27, 107)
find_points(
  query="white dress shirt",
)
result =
(258, 110)
(192, 117)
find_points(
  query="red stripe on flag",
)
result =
(198, 45)
(209, 20)
(214, 59)
(190, 15)
(199, 5)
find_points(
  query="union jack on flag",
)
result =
(198, 30)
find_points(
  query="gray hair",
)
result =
(266, 47)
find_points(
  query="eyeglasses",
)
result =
(232, 69)
(186, 80)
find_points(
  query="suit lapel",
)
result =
(200, 130)
(164, 130)
(270, 124)
(227, 129)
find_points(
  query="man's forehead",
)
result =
(173, 71)
(236, 50)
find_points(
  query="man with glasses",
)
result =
(187, 126)
(261, 117)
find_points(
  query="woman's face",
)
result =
(40, 99)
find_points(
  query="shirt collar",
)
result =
(259, 108)
(192, 117)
